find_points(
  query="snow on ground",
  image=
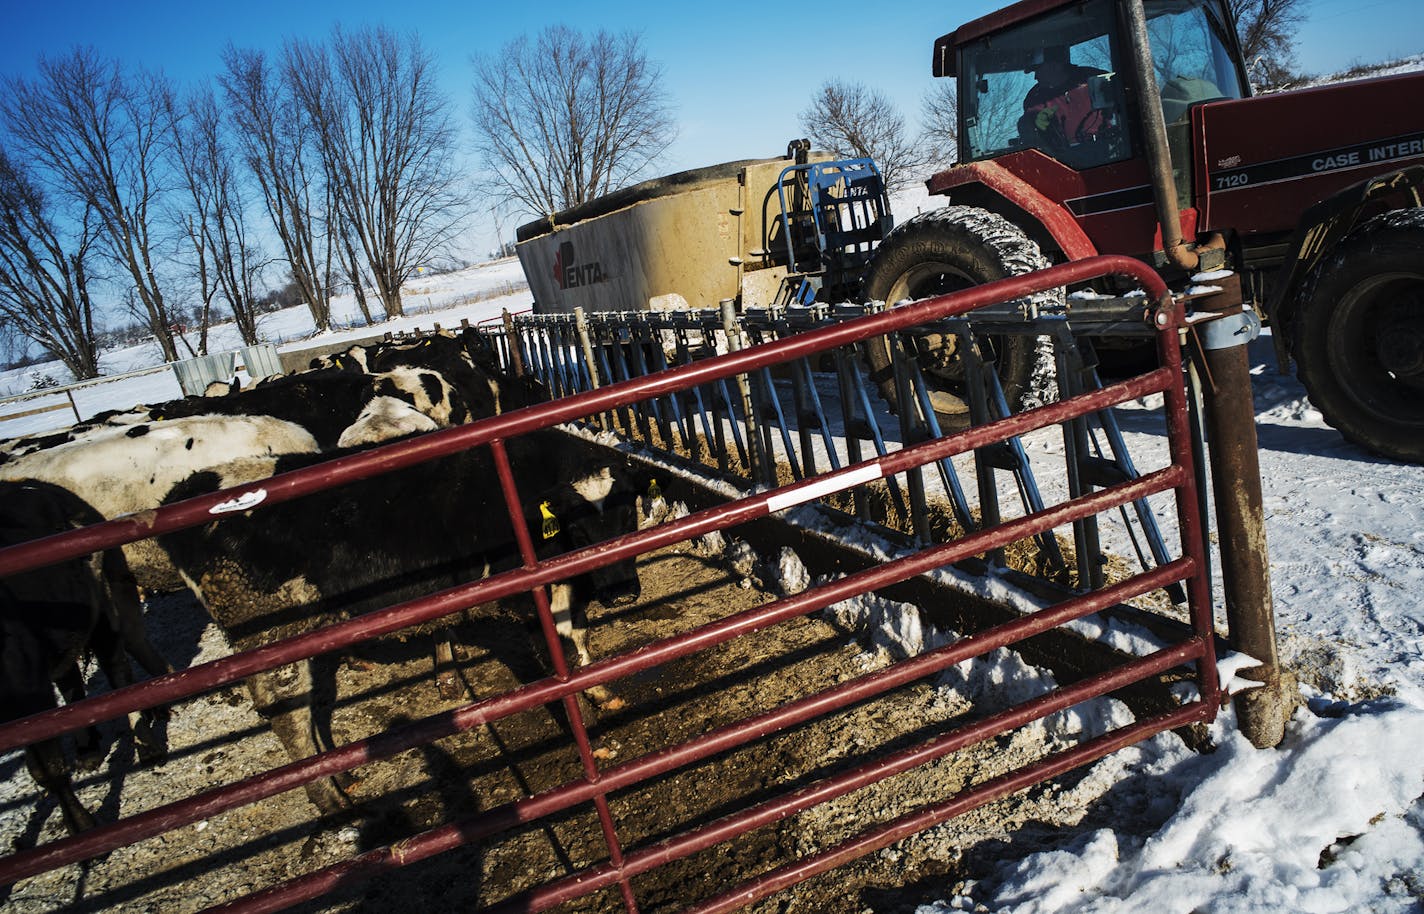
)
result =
(1332, 820)
(1328, 822)
(476, 294)
(1409, 64)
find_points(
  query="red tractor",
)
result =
(1127, 126)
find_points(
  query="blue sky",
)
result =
(738, 72)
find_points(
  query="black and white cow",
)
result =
(23, 445)
(50, 618)
(434, 351)
(465, 360)
(122, 469)
(343, 408)
(127, 462)
(275, 573)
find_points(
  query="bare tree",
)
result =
(564, 118)
(276, 144)
(939, 111)
(44, 284)
(99, 136)
(852, 120)
(215, 217)
(355, 275)
(1267, 30)
(387, 146)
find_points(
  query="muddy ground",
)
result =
(217, 739)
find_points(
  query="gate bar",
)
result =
(914, 823)
(560, 664)
(447, 837)
(226, 670)
(350, 755)
(772, 811)
(442, 442)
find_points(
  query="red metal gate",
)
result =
(622, 864)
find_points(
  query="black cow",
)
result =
(49, 618)
(470, 364)
(466, 360)
(270, 574)
(324, 402)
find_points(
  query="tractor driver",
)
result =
(1058, 110)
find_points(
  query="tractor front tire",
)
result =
(943, 251)
(1358, 338)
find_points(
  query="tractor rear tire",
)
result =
(942, 251)
(1358, 340)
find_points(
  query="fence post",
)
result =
(757, 465)
(516, 358)
(586, 346)
(1240, 518)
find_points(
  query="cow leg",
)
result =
(149, 728)
(45, 760)
(27, 690)
(571, 622)
(284, 697)
(129, 622)
(89, 742)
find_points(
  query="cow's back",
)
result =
(125, 469)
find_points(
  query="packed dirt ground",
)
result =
(217, 739)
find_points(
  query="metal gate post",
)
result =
(1087, 545)
(1240, 518)
(848, 421)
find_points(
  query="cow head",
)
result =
(479, 350)
(425, 390)
(599, 505)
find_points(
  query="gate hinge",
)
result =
(1232, 330)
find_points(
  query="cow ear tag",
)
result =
(653, 491)
(551, 523)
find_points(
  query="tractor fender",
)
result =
(1321, 229)
(993, 187)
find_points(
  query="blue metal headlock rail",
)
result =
(760, 427)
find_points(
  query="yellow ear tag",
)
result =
(653, 491)
(551, 523)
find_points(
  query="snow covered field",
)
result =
(1333, 820)
(476, 294)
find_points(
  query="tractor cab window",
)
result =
(1191, 53)
(1193, 63)
(1051, 84)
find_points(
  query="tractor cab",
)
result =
(1125, 127)
(1057, 77)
